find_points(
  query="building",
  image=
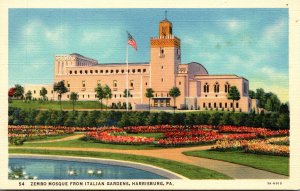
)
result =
(199, 89)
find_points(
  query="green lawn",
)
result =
(186, 170)
(49, 138)
(54, 105)
(155, 135)
(276, 164)
(89, 144)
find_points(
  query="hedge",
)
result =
(18, 116)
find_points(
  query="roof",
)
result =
(199, 64)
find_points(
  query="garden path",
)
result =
(235, 171)
(72, 137)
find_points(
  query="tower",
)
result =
(164, 59)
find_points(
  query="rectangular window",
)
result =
(115, 83)
(231, 105)
(144, 70)
(209, 105)
(204, 105)
(237, 105)
(220, 104)
(225, 105)
(168, 103)
(83, 83)
(155, 103)
(215, 105)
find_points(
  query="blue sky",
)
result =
(252, 43)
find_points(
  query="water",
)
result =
(45, 169)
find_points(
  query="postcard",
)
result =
(153, 95)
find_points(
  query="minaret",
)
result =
(164, 59)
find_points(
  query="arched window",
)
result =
(206, 88)
(115, 84)
(227, 87)
(216, 87)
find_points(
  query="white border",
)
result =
(294, 68)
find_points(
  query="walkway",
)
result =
(58, 140)
(233, 170)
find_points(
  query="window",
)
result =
(75, 72)
(162, 52)
(101, 71)
(245, 88)
(206, 88)
(68, 84)
(204, 105)
(216, 87)
(117, 71)
(96, 71)
(162, 80)
(227, 87)
(139, 70)
(70, 72)
(122, 71)
(225, 105)
(237, 105)
(83, 83)
(146, 83)
(88, 96)
(85, 71)
(111, 71)
(220, 105)
(133, 71)
(68, 96)
(51, 91)
(215, 105)
(161, 95)
(144, 70)
(115, 83)
(34, 91)
(82, 96)
(162, 67)
(115, 95)
(209, 105)
(179, 83)
(80, 71)
(91, 71)
(106, 71)
(131, 83)
(231, 105)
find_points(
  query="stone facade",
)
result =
(199, 90)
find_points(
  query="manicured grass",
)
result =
(49, 138)
(155, 135)
(89, 144)
(186, 170)
(276, 164)
(54, 105)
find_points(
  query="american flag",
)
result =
(131, 41)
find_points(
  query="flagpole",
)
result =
(127, 77)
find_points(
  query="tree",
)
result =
(28, 95)
(107, 93)
(260, 95)
(174, 93)
(73, 98)
(149, 95)
(233, 95)
(252, 94)
(19, 91)
(284, 108)
(43, 93)
(60, 88)
(99, 93)
(125, 95)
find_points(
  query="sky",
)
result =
(252, 43)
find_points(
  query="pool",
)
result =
(64, 168)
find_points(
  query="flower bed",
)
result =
(257, 146)
(163, 128)
(107, 136)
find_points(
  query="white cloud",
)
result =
(274, 31)
(100, 35)
(235, 25)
